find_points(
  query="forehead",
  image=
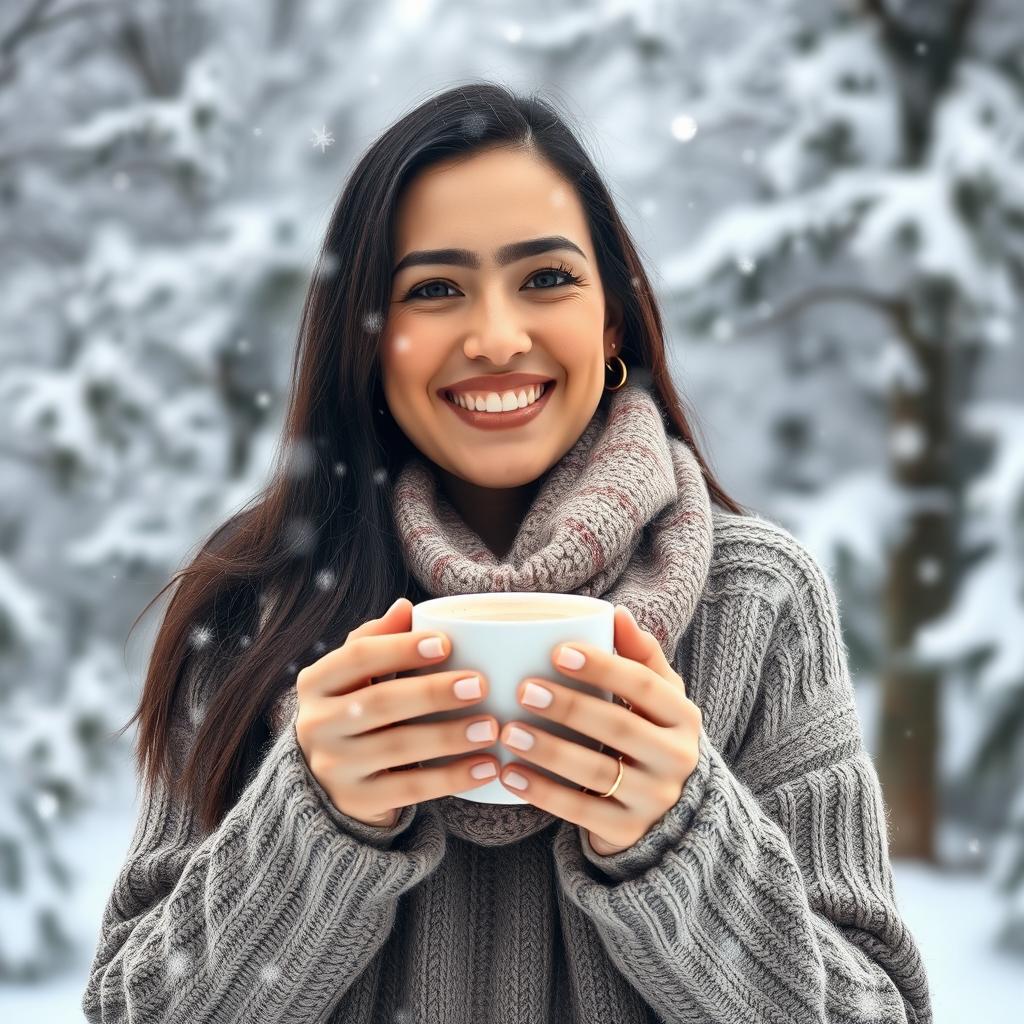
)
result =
(486, 200)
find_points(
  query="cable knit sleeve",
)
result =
(270, 917)
(766, 892)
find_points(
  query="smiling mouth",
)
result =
(539, 390)
(505, 418)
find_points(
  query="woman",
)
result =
(731, 862)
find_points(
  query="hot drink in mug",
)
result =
(508, 636)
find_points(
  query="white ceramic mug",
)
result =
(508, 651)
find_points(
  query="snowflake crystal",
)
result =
(323, 138)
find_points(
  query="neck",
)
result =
(494, 514)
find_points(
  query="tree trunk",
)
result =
(922, 574)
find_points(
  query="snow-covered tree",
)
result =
(888, 185)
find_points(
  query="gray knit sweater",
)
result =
(764, 894)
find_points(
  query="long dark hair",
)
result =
(320, 534)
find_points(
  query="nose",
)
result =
(498, 339)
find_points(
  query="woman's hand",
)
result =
(657, 734)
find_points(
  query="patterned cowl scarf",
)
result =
(624, 515)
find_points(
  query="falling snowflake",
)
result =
(355, 709)
(243, 346)
(869, 1004)
(380, 476)
(47, 805)
(722, 329)
(262, 399)
(340, 468)
(403, 1015)
(300, 536)
(325, 579)
(323, 138)
(684, 127)
(929, 570)
(512, 32)
(327, 266)
(201, 636)
(245, 640)
(319, 647)
(270, 973)
(257, 131)
(908, 442)
(746, 264)
(301, 458)
(178, 963)
(373, 322)
(474, 125)
(730, 948)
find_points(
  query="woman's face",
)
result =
(448, 321)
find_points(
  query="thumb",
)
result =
(398, 618)
(634, 642)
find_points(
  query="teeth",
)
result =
(493, 401)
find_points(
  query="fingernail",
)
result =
(483, 771)
(536, 696)
(515, 780)
(430, 647)
(519, 738)
(468, 688)
(480, 731)
(569, 657)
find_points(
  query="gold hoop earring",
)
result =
(625, 373)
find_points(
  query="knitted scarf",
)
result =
(624, 515)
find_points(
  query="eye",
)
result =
(561, 269)
(564, 271)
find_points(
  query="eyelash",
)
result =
(571, 279)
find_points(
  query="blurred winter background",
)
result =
(830, 197)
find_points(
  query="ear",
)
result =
(614, 327)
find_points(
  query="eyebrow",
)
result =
(503, 256)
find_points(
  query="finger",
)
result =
(598, 814)
(422, 741)
(636, 643)
(650, 695)
(396, 700)
(572, 761)
(368, 656)
(396, 618)
(647, 745)
(431, 782)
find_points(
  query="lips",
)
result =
(502, 420)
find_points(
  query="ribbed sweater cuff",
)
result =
(667, 833)
(379, 838)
